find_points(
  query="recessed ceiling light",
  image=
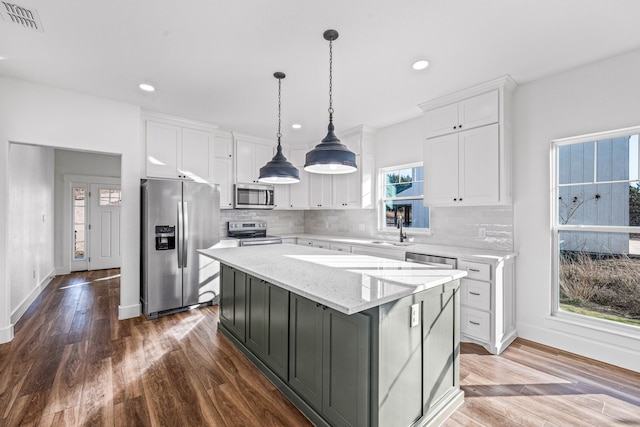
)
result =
(146, 87)
(420, 65)
(296, 126)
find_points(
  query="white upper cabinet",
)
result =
(352, 190)
(178, 149)
(223, 168)
(462, 168)
(299, 192)
(251, 155)
(467, 148)
(163, 147)
(477, 111)
(197, 153)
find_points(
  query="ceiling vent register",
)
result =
(24, 16)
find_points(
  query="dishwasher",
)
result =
(432, 260)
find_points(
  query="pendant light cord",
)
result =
(279, 106)
(330, 80)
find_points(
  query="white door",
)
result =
(104, 226)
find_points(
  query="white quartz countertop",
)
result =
(470, 254)
(346, 282)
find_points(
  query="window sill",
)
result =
(603, 326)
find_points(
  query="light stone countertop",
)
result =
(346, 282)
(469, 254)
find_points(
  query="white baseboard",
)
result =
(29, 299)
(6, 334)
(598, 349)
(60, 271)
(129, 311)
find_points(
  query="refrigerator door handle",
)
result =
(185, 240)
(180, 233)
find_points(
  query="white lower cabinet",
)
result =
(379, 252)
(487, 301)
(341, 247)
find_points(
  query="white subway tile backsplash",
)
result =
(455, 226)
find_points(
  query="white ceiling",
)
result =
(213, 60)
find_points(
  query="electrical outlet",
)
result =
(361, 227)
(482, 232)
(415, 315)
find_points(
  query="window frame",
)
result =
(381, 207)
(556, 313)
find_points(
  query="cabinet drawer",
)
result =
(475, 323)
(476, 270)
(305, 242)
(340, 247)
(475, 294)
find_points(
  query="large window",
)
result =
(402, 197)
(596, 210)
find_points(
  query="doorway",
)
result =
(88, 203)
(94, 210)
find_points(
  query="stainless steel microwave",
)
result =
(253, 196)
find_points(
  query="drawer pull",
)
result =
(475, 293)
(474, 323)
(475, 270)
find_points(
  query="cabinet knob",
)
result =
(460, 198)
(459, 126)
(455, 200)
(455, 127)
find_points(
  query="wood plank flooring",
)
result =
(73, 363)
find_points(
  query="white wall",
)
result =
(596, 97)
(46, 116)
(68, 162)
(31, 216)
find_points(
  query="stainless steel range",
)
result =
(251, 233)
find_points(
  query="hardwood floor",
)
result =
(73, 363)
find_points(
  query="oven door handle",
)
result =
(260, 242)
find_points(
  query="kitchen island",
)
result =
(351, 340)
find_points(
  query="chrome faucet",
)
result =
(402, 235)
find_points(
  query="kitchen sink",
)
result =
(379, 242)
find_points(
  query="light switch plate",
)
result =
(415, 315)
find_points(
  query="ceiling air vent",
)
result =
(24, 16)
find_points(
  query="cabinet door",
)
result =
(250, 157)
(268, 324)
(305, 351)
(479, 166)
(346, 189)
(441, 170)
(345, 400)
(163, 149)
(197, 152)
(224, 177)
(441, 121)
(256, 316)
(299, 192)
(245, 162)
(233, 290)
(441, 374)
(223, 168)
(478, 111)
(277, 350)
(320, 191)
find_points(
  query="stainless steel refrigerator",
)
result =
(178, 218)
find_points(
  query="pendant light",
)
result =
(279, 170)
(330, 156)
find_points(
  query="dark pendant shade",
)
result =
(330, 156)
(279, 170)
